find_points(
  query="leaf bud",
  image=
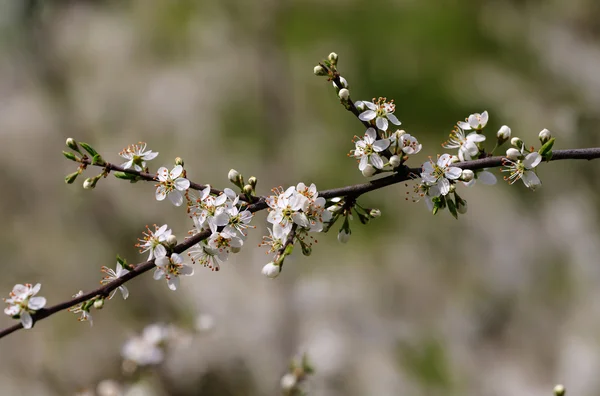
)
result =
(69, 179)
(178, 161)
(70, 156)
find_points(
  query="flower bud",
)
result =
(545, 135)
(70, 156)
(559, 390)
(513, 154)
(467, 175)
(454, 159)
(171, 240)
(178, 161)
(271, 270)
(503, 134)
(344, 94)
(99, 303)
(288, 382)
(333, 58)
(369, 170)
(89, 183)
(72, 144)
(252, 181)
(395, 161)
(344, 236)
(248, 189)
(375, 213)
(360, 106)
(344, 82)
(233, 176)
(319, 71)
(517, 142)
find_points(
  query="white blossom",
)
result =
(285, 209)
(153, 241)
(171, 268)
(475, 121)
(136, 156)
(209, 211)
(171, 185)
(276, 238)
(466, 145)
(381, 111)
(439, 173)
(22, 303)
(525, 170)
(368, 148)
(145, 349)
(112, 275)
(79, 309)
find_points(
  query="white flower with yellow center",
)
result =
(171, 185)
(380, 110)
(171, 268)
(136, 156)
(440, 173)
(22, 303)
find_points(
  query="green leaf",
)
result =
(88, 148)
(69, 179)
(452, 208)
(98, 160)
(70, 156)
(125, 176)
(546, 150)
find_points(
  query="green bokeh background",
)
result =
(501, 302)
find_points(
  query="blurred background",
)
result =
(503, 301)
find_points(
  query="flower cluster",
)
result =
(293, 213)
(146, 348)
(22, 303)
(227, 219)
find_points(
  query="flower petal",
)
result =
(531, 180)
(486, 177)
(186, 270)
(36, 303)
(381, 145)
(532, 160)
(393, 119)
(370, 105)
(452, 173)
(26, 320)
(173, 282)
(176, 172)
(124, 292)
(182, 184)
(444, 186)
(163, 174)
(376, 161)
(158, 273)
(160, 193)
(382, 123)
(367, 115)
(176, 198)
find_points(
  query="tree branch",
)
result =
(404, 173)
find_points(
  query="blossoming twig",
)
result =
(404, 173)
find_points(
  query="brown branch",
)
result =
(404, 173)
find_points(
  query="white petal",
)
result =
(486, 177)
(444, 160)
(26, 320)
(381, 145)
(463, 125)
(124, 292)
(176, 198)
(182, 184)
(12, 310)
(186, 270)
(370, 135)
(367, 115)
(173, 283)
(452, 173)
(160, 251)
(532, 160)
(444, 186)
(160, 193)
(376, 161)
(475, 137)
(163, 174)
(382, 123)
(150, 155)
(36, 303)
(301, 220)
(393, 119)
(158, 273)
(364, 160)
(483, 120)
(36, 289)
(370, 105)
(473, 121)
(531, 180)
(176, 172)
